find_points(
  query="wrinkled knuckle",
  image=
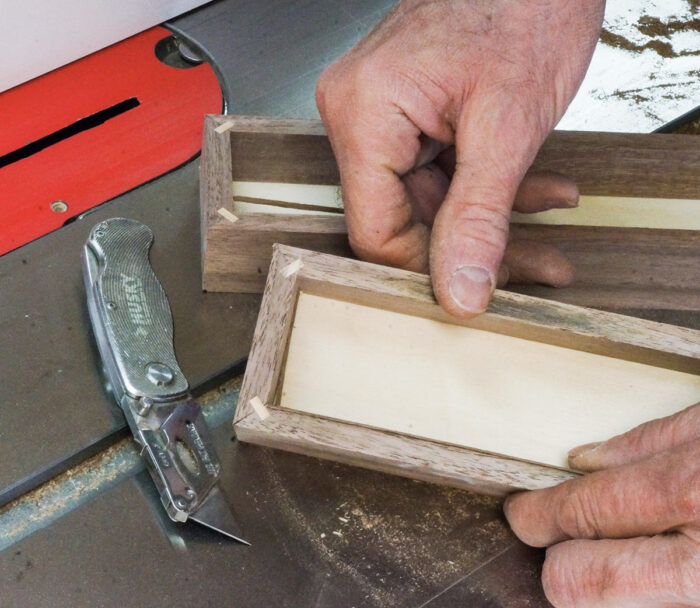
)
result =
(668, 431)
(577, 515)
(690, 418)
(372, 246)
(367, 246)
(486, 223)
(652, 436)
(380, 250)
(359, 82)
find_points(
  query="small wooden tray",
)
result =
(634, 240)
(358, 363)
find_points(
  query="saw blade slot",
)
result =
(79, 126)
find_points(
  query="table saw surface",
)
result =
(322, 534)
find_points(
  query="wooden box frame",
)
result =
(645, 255)
(260, 420)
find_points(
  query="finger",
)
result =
(427, 187)
(639, 443)
(631, 573)
(446, 160)
(471, 229)
(379, 209)
(648, 497)
(374, 144)
(382, 225)
(532, 262)
(543, 190)
(538, 191)
(503, 276)
(525, 262)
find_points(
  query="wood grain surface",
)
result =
(237, 255)
(410, 454)
(617, 268)
(624, 164)
(464, 386)
(622, 268)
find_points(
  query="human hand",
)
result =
(489, 77)
(643, 502)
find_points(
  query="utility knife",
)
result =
(133, 328)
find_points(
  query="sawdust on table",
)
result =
(59, 492)
(454, 530)
(656, 28)
(620, 42)
(653, 26)
(637, 94)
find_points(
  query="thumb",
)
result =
(470, 232)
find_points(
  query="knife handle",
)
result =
(130, 313)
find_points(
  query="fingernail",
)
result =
(580, 454)
(471, 288)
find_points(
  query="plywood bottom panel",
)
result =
(621, 212)
(610, 211)
(315, 196)
(465, 386)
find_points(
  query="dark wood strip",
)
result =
(656, 165)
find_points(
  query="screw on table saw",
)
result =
(59, 206)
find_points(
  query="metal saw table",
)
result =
(322, 534)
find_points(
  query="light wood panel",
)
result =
(621, 212)
(601, 211)
(281, 198)
(465, 386)
(625, 359)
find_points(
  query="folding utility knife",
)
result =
(133, 327)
